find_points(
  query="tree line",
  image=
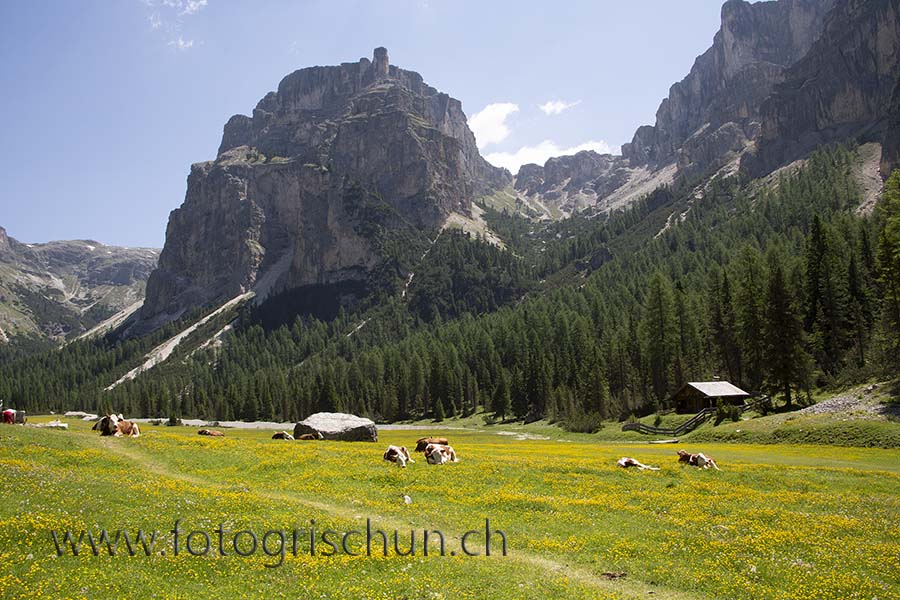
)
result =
(779, 289)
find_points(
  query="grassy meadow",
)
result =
(779, 521)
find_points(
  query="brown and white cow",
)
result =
(117, 426)
(697, 460)
(283, 435)
(310, 436)
(211, 432)
(422, 443)
(398, 454)
(626, 462)
(438, 454)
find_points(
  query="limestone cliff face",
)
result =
(716, 107)
(843, 88)
(710, 118)
(288, 201)
(890, 154)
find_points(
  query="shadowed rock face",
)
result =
(890, 154)
(729, 82)
(844, 87)
(279, 207)
(710, 117)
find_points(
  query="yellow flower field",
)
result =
(779, 522)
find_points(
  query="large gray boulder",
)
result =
(338, 426)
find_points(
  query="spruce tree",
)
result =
(659, 334)
(786, 360)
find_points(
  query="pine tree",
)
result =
(724, 327)
(888, 258)
(659, 334)
(502, 401)
(750, 312)
(786, 360)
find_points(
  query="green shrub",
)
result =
(590, 422)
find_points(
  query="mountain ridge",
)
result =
(725, 114)
(58, 289)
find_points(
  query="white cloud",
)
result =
(181, 43)
(489, 124)
(541, 152)
(554, 107)
(169, 16)
(190, 7)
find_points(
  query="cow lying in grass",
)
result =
(422, 443)
(626, 462)
(116, 426)
(398, 454)
(310, 436)
(699, 460)
(210, 432)
(438, 454)
(282, 435)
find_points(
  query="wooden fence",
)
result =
(689, 425)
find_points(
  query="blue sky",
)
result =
(107, 103)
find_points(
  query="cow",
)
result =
(116, 426)
(398, 454)
(438, 454)
(310, 436)
(422, 443)
(626, 462)
(282, 435)
(211, 432)
(11, 416)
(699, 460)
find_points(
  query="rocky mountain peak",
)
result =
(844, 87)
(728, 83)
(62, 288)
(382, 64)
(284, 203)
(4, 242)
(708, 120)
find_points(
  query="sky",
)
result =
(107, 103)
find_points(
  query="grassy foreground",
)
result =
(777, 522)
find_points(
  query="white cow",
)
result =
(626, 462)
(438, 454)
(398, 454)
(117, 426)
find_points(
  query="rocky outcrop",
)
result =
(729, 82)
(5, 248)
(843, 88)
(573, 182)
(890, 154)
(60, 289)
(710, 118)
(338, 426)
(304, 191)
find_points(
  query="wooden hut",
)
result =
(694, 396)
